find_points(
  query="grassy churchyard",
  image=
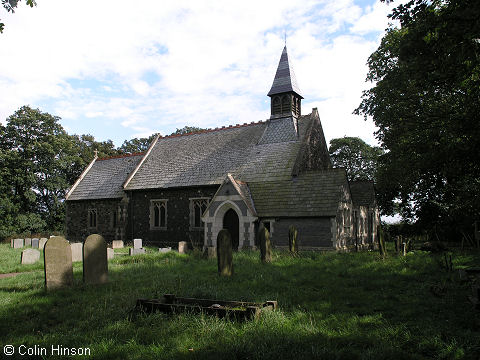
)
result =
(332, 305)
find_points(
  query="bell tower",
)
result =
(285, 95)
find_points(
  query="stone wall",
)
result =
(178, 215)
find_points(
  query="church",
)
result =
(188, 187)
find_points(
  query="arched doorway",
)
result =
(230, 222)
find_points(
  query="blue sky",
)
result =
(118, 71)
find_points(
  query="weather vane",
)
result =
(285, 36)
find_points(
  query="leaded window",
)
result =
(197, 208)
(158, 214)
(92, 218)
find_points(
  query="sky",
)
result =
(121, 69)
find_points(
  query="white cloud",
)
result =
(213, 62)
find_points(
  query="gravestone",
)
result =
(77, 252)
(95, 265)
(110, 253)
(118, 244)
(210, 252)
(265, 246)
(224, 253)
(17, 243)
(28, 242)
(292, 238)
(137, 243)
(57, 263)
(35, 243)
(165, 250)
(30, 256)
(42, 242)
(132, 252)
(182, 247)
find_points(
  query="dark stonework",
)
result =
(95, 264)
(178, 216)
(265, 246)
(224, 253)
(313, 232)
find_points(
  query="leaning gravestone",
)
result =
(35, 243)
(17, 243)
(28, 242)
(42, 242)
(118, 244)
(30, 256)
(137, 243)
(77, 251)
(57, 263)
(110, 253)
(224, 253)
(265, 247)
(182, 247)
(95, 264)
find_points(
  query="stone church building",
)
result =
(188, 187)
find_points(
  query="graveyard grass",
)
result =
(331, 305)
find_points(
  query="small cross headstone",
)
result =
(95, 265)
(30, 256)
(110, 253)
(118, 244)
(265, 246)
(57, 263)
(182, 247)
(77, 251)
(17, 243)
(35, 243)
(224, 253)
(165, 250)
(132, 252)
(28, 242)
(137, 243)
(42, 242)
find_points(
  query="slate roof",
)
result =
(314, 193)
(104, 180)
(204, 158)
(279, 130)
(363, 193)
(285, 79)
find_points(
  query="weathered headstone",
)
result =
(118, 244)
(210, 252)
(224, 253)
(137, 243)
(182, 247)
(30, 256)
(132, 251)
(58, 263)
(35, 243)
(17, 243)
(28, 242)
(165, 250)
(110, 253)
(42, 242)
(77, 251)
(95, 265)
(292, 238)
(265, 247)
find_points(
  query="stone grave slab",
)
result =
(77, 251)
(28, 242)
(165, 250)
(17, 243)
(137, 243)
(30, 256)
(110, 253)
(95, 264)
(35, 243)
(182, 247)
(132, 251)
(58, 263)
(42, 242)
(117, 244)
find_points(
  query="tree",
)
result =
(426, 105)
(136, 145)
(10, 6)
(357, 157)
(186, 129)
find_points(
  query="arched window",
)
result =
(286, 107)
(276, 108)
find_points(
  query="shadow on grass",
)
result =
(330, 306)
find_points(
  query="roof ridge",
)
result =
(214, 129)
(121, 156)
